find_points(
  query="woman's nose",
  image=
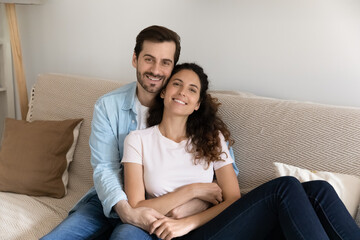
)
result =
(181, 92)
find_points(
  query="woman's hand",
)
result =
(168, 228)
(209, 192)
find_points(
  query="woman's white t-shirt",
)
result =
(166, 164)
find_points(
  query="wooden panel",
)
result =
(17, 58)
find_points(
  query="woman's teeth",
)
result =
(178, 101)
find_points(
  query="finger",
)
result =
(214, 201)
(160, 226)
(165, 233)
(154, 226)
(168, 237)
(160, 231)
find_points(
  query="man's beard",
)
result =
(152, 88)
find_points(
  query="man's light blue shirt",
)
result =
(114, 117)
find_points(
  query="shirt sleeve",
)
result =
(225, 155)
(105, 160)
(233, 157)
(132, 149)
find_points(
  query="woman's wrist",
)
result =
(189, 191)
(192, 222)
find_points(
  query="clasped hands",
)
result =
(176, 222)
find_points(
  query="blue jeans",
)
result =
(89, 222)
(280, 209)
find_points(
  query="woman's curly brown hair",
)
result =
(204, 125)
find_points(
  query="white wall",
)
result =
(303, 50)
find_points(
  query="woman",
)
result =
(173, 162)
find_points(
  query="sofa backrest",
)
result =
(307, 135)
(265, 130)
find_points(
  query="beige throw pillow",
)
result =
(346, 186)
(35, 156)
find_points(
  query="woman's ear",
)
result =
(162, 94)
(197, 106)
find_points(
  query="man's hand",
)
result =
(192, 207)
(141, 217)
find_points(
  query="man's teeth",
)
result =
(178, 101)
(154, 78)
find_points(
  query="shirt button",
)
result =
(133, 121)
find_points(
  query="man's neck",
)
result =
(144, 97)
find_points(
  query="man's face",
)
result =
(154, 65)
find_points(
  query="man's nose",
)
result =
(155, 69)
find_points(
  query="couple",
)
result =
(173, 162)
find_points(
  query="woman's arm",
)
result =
(135, 191)
(189, 208)
(229, 185)
(169, 228)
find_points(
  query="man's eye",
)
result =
(148, 59)
(193, 90)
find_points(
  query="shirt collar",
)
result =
(129, 101)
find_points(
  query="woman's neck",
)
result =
(173, 128)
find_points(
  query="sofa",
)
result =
(310, 136)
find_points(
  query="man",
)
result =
(117, 113)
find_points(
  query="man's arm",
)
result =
(105, 160)
(141, 217)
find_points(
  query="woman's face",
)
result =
(182, 93)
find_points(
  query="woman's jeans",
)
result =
(280, 209)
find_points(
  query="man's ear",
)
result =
(162, 94)
(134, 60)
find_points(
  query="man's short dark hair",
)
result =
(158, 34)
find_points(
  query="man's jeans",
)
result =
(87, 222)
(280, 209)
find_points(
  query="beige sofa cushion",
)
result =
(307, 135)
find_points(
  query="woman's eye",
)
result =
(193, 90)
